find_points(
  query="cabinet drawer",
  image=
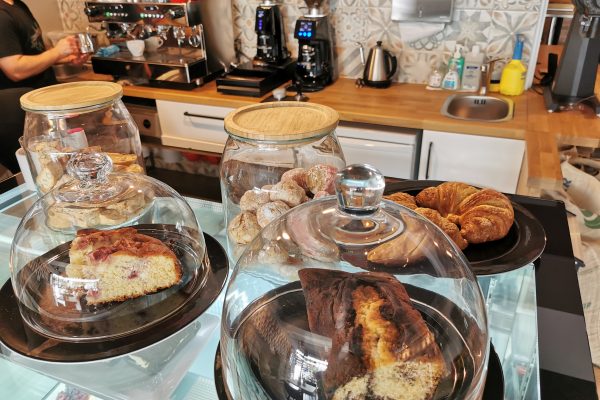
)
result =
(390, 150)
(477, 160)
(394, 160)
(192, 126)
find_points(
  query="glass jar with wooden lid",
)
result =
(278, 155)
(64, 119)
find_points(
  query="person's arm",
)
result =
(18, 67)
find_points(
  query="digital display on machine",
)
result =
(260, 14)
(306, 29)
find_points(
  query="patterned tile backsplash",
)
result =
(491, 24)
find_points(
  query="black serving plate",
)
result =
(523, 244)
(493, 390)
(17, 335)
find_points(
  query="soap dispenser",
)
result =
(471, 78)
(451, 79)
(458, 60)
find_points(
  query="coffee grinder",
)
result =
(317, 65)
(271, 66)
(271, 45)
(576, 74)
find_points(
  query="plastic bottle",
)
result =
(458, 60)
(471, 78)
(512, 82)
(451, 79)
(435, 79)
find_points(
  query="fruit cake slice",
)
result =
(124, 263)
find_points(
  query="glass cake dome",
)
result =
(352, 298)
(106, 255)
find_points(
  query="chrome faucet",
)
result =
(486, 74)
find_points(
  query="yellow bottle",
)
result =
(512, 82)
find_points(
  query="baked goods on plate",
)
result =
(123, 264)
(502, 234)
(465, 213)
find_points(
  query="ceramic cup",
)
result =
(136, 47)
(153, 43)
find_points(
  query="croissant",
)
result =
(483, 215)
(404, 199)
(444, 224)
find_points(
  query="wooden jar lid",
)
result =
(71, 96)
(281, 121)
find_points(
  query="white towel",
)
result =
(411, 31)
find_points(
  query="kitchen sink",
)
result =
(478, 108)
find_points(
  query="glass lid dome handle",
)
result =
(359, 188)
(90, 168)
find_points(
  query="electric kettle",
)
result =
(380, 66)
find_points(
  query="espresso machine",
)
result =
(576, 73)
(196, 36)
(271, 66)
(317, 63)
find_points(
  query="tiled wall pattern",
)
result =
(492, 24)
(72, 16)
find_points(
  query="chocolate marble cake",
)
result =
(381, 346)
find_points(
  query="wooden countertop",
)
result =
(402, 105)
(412, 106)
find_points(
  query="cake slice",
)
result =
(124, 263)
(381, 346)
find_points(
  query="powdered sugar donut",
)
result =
(270, 211)
(289, 192)
(243, 228)
(321, 177)
(253, 199)
(297, 175)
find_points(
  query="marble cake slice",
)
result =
(381, 346)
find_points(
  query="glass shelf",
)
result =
(510, 299)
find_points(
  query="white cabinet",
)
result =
(477, 160)
(192, 126)
(391, 150)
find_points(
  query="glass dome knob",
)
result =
(90, 173)
(89, 168)
(359, 188)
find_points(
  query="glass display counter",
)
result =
(510, 300)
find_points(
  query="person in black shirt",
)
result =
(24, 61)
(25, 64)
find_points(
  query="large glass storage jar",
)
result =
(107, 255)
(354, 298)
(62, 119)
(278, 155)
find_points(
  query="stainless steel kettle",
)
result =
(380, 66)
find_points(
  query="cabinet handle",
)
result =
(428, 160)
(189, 114)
